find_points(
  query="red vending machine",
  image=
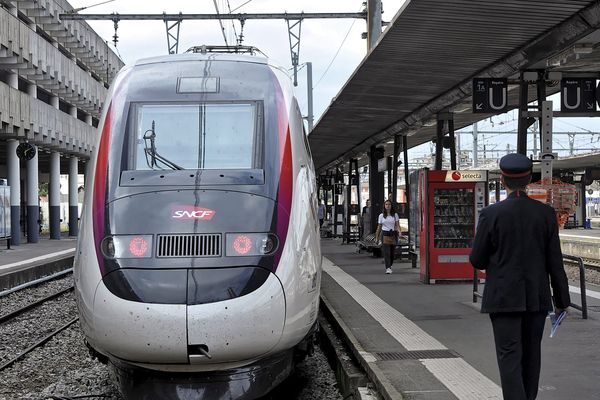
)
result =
(450, 203)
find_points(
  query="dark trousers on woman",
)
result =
(518, 336)
(388, 254)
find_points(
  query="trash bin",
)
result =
(588, 223)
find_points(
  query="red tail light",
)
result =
(138, 246)
(127, 246)
(242, 244)
(250, 244)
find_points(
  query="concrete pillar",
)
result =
(14, 181)
(88, 119)
(33, 201)
(54, 102)
(73, 111)
(54, 195)
(13, 80)
(32, 90)
(375, 185)
(73, 207)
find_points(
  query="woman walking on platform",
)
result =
(388, 228)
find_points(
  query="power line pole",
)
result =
(475, 144)
(309, 90)
(373, 22)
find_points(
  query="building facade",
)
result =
(54, 77)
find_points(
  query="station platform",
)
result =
(581, 242)
(30, 261)
(431, 342)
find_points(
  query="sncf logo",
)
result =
(190, 212)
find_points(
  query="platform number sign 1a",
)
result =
(578, 95)
(490, 95)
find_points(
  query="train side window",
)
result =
(197, 136)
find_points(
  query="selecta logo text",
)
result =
(465, 176)
(191, 212)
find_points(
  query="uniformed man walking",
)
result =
(517, 245)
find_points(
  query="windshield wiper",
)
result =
(155, 158)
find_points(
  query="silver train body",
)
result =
(198, 265)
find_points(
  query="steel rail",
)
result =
(39, 343)
(19, 311)
(36, 282)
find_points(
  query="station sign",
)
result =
(490, 95)
(578, 95)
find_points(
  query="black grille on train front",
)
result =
(194, 245)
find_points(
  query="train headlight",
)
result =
(127, 246)
(250, 244)
(108, 247)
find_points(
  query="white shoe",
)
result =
(388, 270)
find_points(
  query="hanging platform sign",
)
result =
(578, 95)
(490, 95)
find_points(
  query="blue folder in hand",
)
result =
(556, 322)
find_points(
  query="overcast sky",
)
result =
(320, 39)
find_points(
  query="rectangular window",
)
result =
(197, 136)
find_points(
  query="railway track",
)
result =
(31, 307)
(588, 263)
(13, 314)
(37, 344)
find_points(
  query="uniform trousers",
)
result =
(518, 337)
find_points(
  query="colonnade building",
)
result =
(54, 77)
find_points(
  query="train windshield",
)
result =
(196, 136)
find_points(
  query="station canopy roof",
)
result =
(424, 64)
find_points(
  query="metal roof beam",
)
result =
(174, 17)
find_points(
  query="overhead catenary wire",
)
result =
(221, 23)
(336, 54)
(232, 22)
(240, 6)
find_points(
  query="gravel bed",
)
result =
(591, 275)
(23, 331)
(23, 297)
(63, 367)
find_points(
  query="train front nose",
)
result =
(240, 328)
(187, 285)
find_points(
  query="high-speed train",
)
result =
(198, 265)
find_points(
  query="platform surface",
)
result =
(29, 254)
(446, 344)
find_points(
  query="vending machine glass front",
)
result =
(453, 218)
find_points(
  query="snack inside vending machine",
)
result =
(450, 203)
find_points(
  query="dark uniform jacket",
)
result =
(517, 244)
